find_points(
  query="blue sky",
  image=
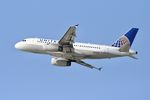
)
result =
(26, 76)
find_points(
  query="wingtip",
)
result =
(77, 25)
(98, 68)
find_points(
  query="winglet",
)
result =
(77, 25)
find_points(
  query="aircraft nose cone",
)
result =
(17, 45)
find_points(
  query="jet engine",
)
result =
(60, 62)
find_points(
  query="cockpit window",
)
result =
(24, 40)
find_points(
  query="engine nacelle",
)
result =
(60, 62)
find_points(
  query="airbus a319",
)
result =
(66, 50)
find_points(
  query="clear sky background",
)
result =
(27, 76)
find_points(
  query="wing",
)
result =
(69, 36)
(87, 65)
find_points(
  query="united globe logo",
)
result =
(122, 41)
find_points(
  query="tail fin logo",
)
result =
(126, 39)
(122, 41)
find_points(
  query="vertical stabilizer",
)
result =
(125, 41)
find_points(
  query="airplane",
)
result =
(66, 50)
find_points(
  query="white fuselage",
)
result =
(79, 51)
